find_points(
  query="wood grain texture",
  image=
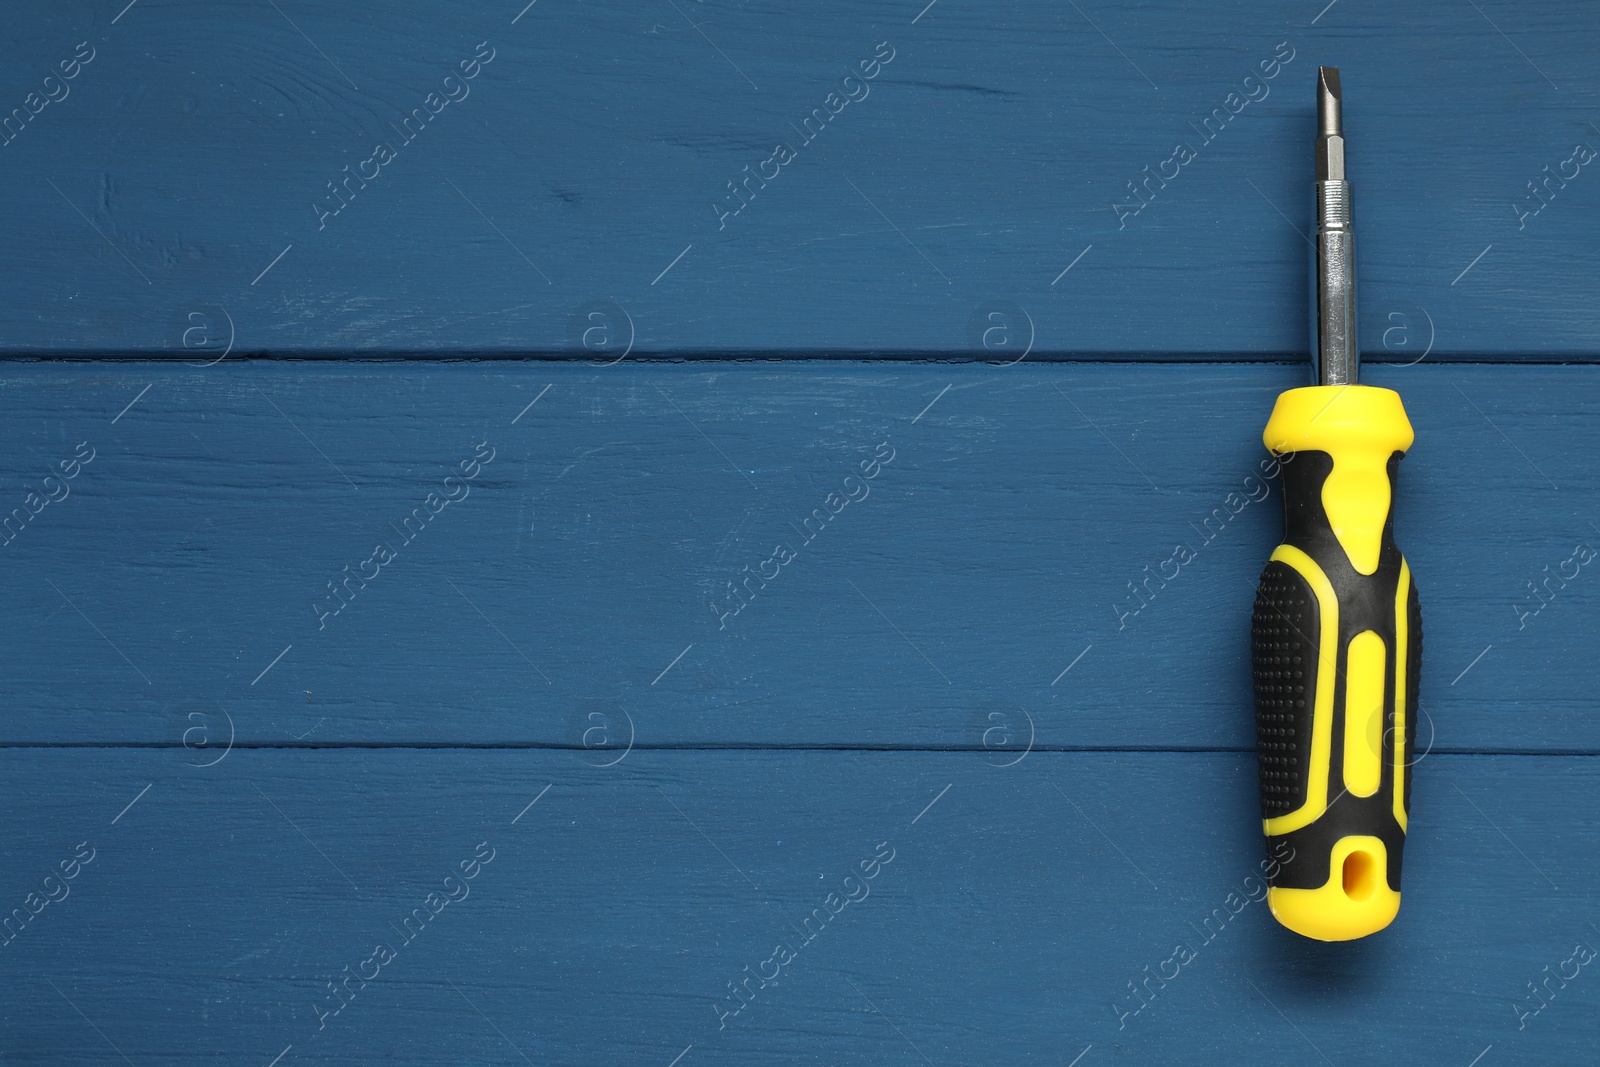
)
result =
(558, 602)
(187, 157)
(1005, 929)
(943, 654)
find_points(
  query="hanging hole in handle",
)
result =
(1360, 875)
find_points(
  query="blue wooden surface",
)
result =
(544, 658)
(995, 547)
(151, 604)
(973, 168)
(1006, 928)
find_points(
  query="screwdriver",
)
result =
(1336, 636)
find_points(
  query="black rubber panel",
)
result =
(1286, 632)
(1283, 647)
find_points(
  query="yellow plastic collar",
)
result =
(1360, 426)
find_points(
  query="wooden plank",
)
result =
(1018, 906)
(186, 171)
(567, 599)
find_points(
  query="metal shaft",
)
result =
(1335, 357)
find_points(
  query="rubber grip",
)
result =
(1336, 641)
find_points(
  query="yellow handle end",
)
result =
(1357, 900)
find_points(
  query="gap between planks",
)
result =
(753, 747)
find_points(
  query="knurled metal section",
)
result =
(1333, 205)
(1282, 656)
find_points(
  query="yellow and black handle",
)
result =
(1335, 646)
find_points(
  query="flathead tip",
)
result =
(1329, 102)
